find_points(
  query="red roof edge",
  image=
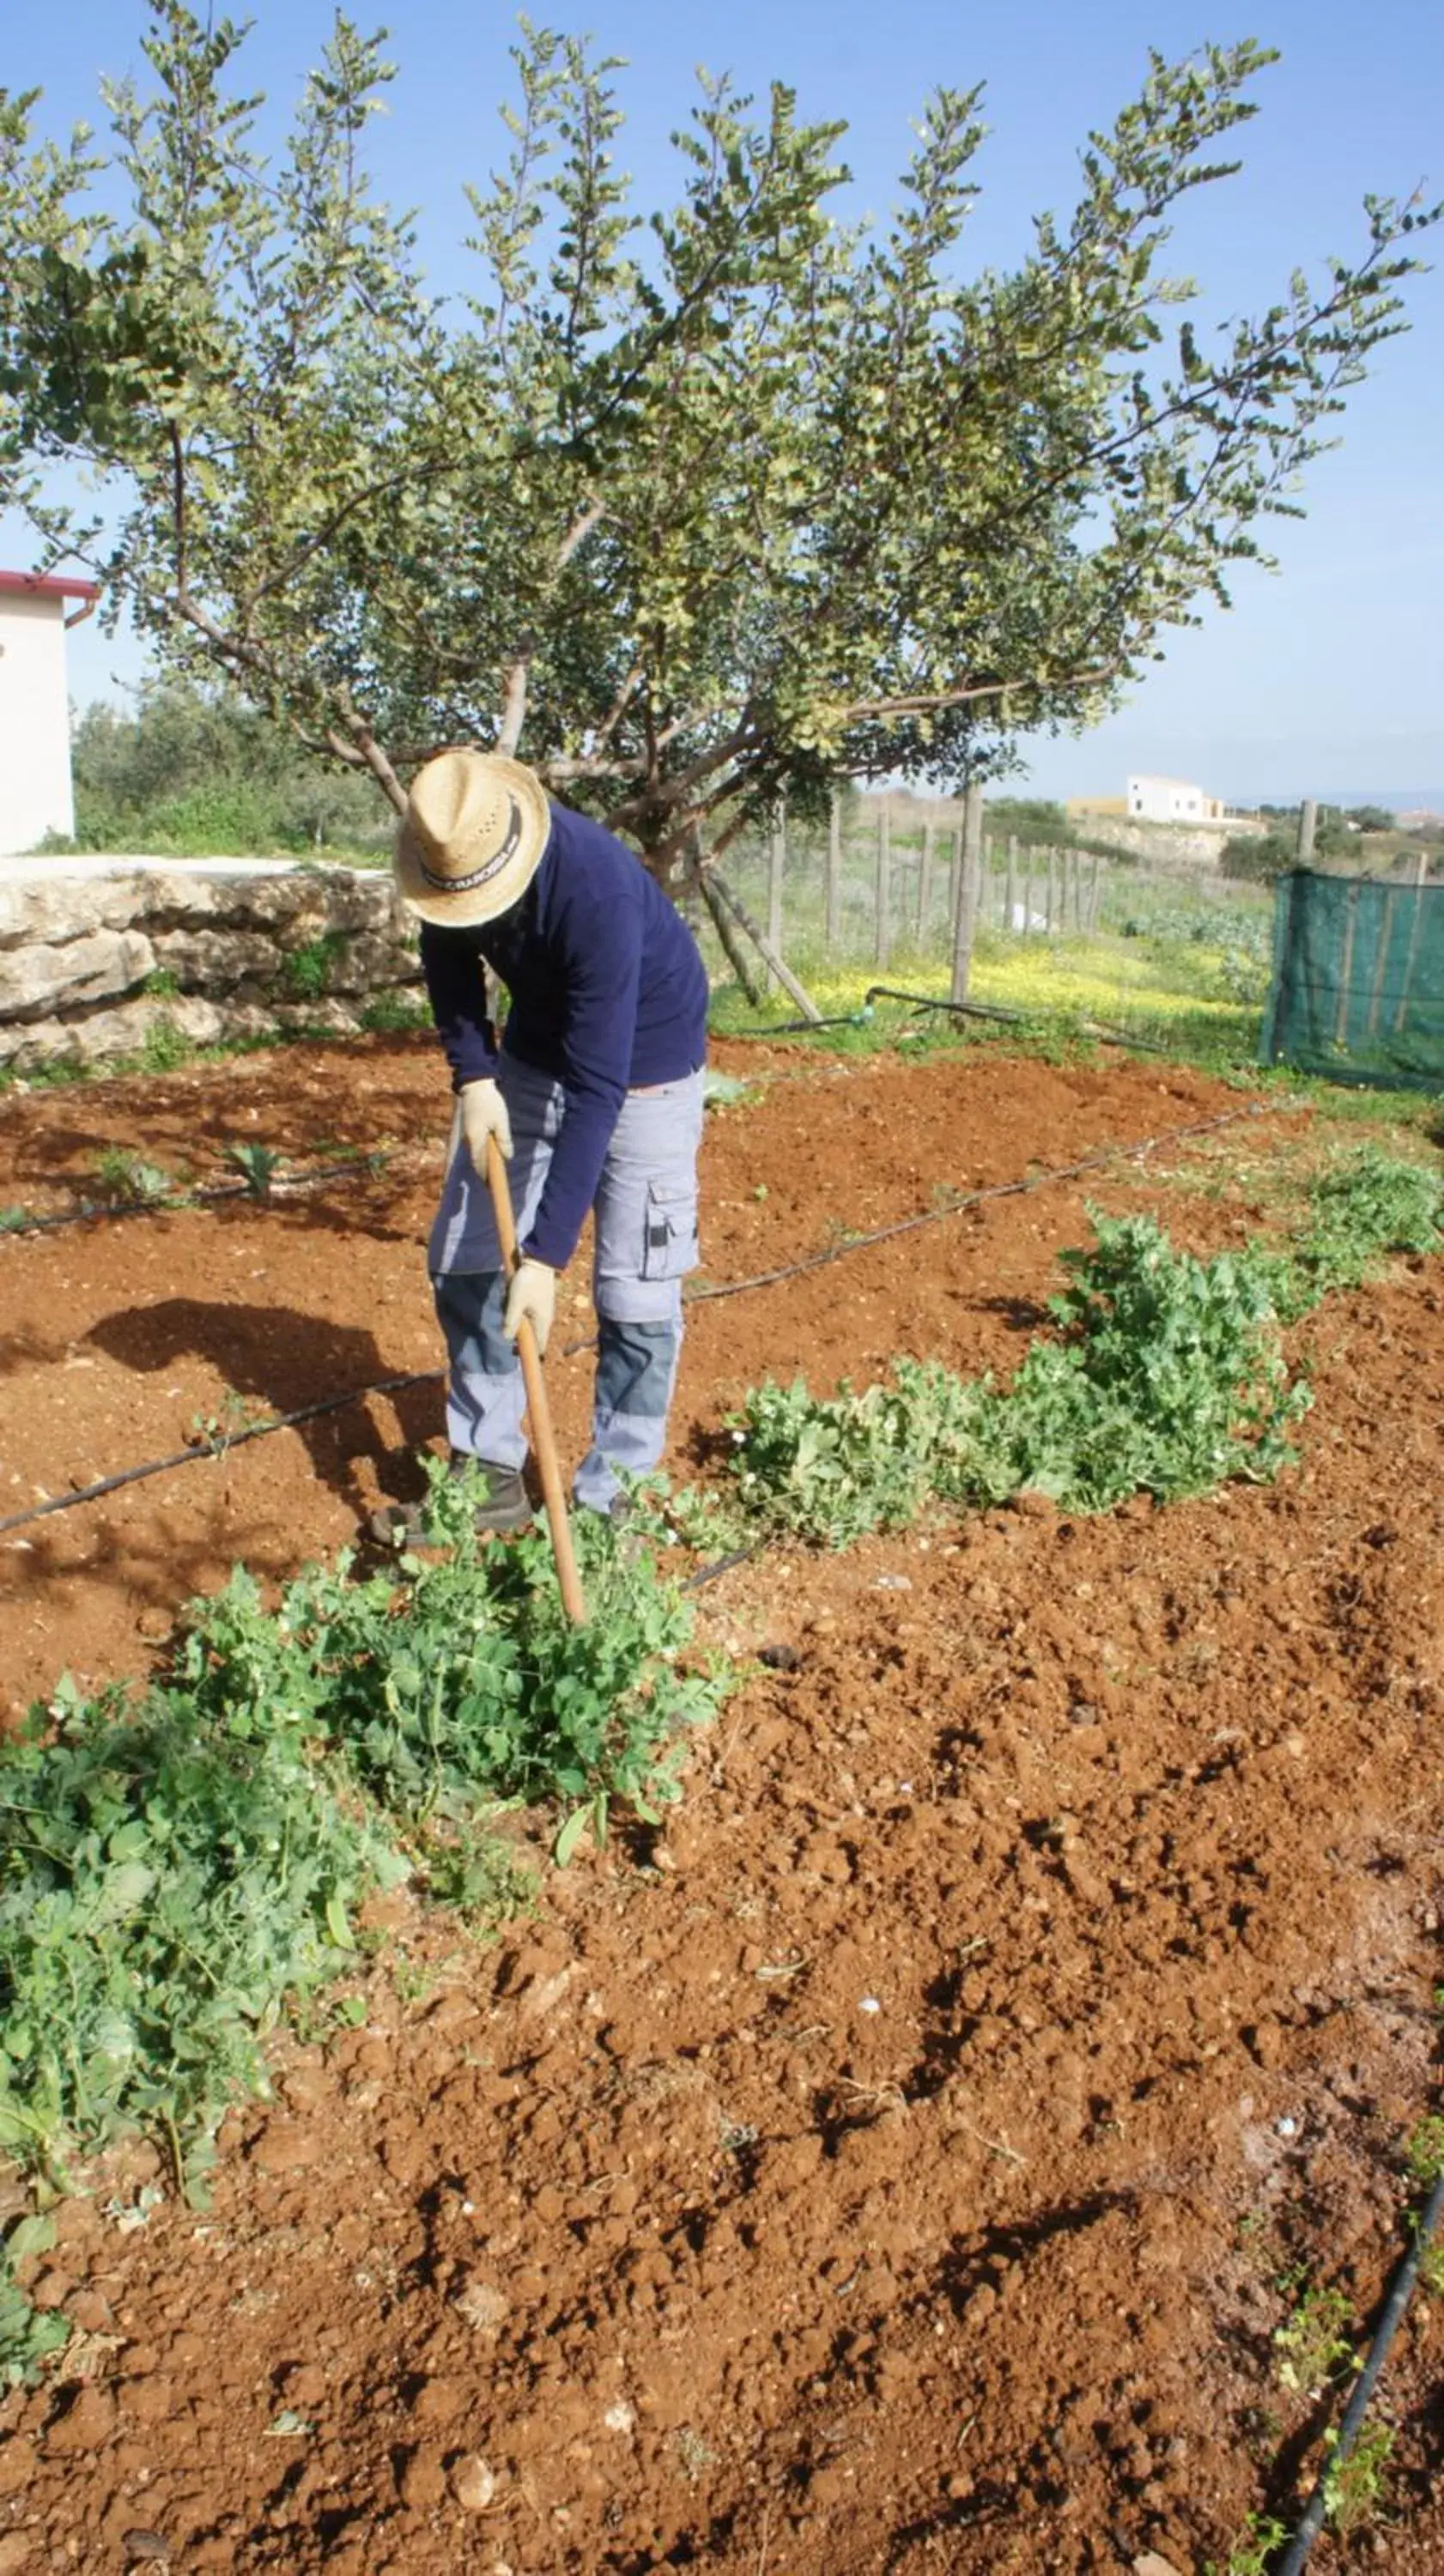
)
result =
(47, 585)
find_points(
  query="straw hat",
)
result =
(473, 835)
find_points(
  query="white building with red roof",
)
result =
(35, 792)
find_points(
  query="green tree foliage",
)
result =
(198, 771)
(723, 501)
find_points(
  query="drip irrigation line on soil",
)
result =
(206, 1194)
(957, 1207)
(218, 1448)
(1296, 2555)
(700, 1296)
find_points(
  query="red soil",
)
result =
(895, 2168)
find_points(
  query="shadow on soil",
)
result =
(273, 1359)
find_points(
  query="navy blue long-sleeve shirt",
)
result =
(608, 995)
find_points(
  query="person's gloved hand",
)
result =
(532, 1295)
(483, 1114)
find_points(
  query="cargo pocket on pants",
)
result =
(669, 1245)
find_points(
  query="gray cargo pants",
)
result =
(645, 1215)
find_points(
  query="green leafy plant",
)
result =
(28, 2335)
(1370, 1204)
(1354, 2487)
(165, 1046)
(163, 1885)
(392, 1014)
(257, 1165)
(1166, 1377)
(1257, 2544)
(175, 1870)
(1424, 2149)
(234, 1415)
(310, 969)
(126, 1177)
(1313, 2344)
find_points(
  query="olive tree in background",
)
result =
(698, 508)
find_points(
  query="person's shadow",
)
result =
(274, 1360)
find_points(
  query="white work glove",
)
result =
(484, 1114)
(532, 1297)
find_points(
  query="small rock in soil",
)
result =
(285, 2147)
(143, 2546)
(779, 1659)
(473, 2483)
(17, 2554)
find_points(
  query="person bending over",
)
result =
(594, 1095)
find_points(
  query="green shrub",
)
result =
(174, 1869)
(1167, 1378)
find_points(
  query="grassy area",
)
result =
(1157, 993)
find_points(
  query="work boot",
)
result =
(504, 1506)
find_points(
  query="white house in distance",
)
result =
(1171, 800)
(35, 793)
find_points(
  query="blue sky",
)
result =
(1328, 678)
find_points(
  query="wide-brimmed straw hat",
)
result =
(473, 835)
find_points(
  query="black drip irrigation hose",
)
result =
(931, 1002)
(699, 1297)
(860, 1019)
(1296, 2555)
(207, 1194)
(957, 1207)
(219, 1448)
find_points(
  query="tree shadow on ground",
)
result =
(275, 1360)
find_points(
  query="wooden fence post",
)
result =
(1411, 954)
(969, 878)
(776, 862)
(925, 884)
(1048, 908)
(1010, 896)
(884, 874)
(1093, 893)
(1308, 819)
(832, 933)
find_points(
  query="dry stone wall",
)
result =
(98, 955)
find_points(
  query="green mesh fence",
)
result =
(1358, 980)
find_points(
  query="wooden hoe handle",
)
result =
(543, 1439)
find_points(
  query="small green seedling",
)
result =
(1424, 2150)
(1354, 2488)
(257, 1165)
(125, 1177)
(1253, 2549)
(1313, 2344)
